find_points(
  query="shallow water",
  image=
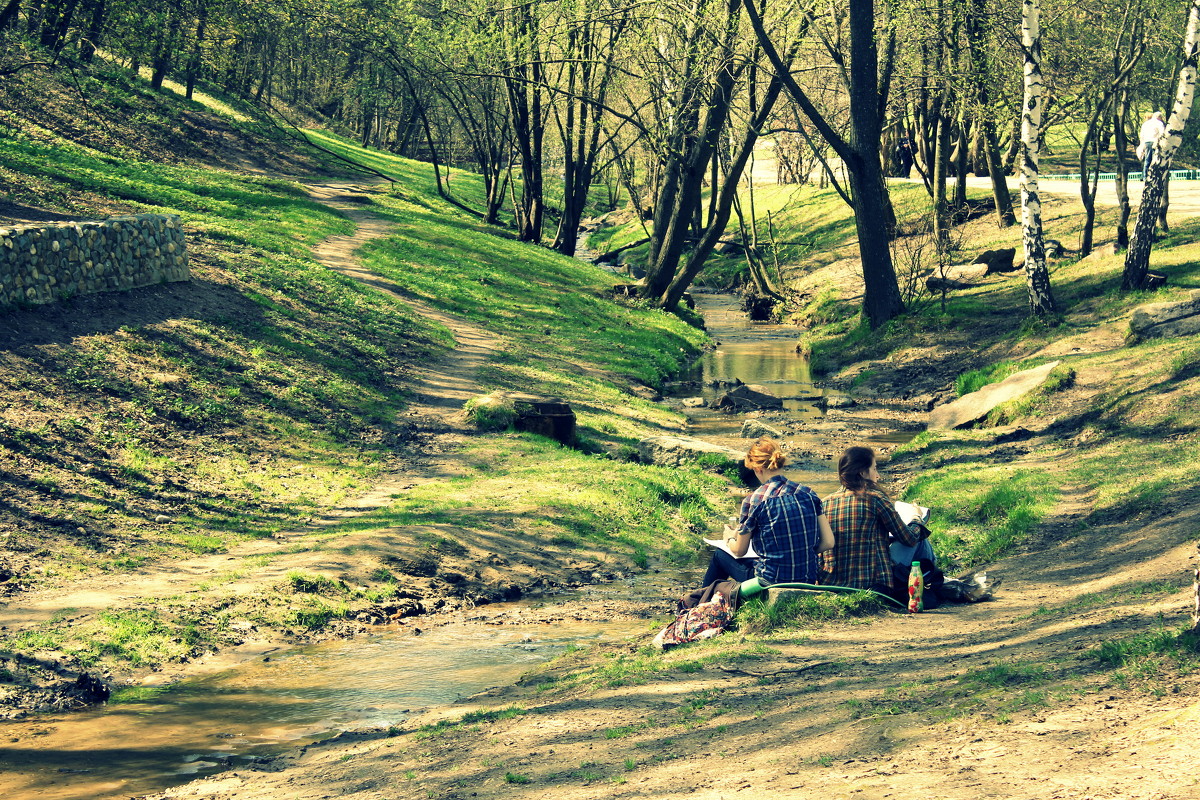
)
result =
(765, 354)
(752, 352)
(290, 698)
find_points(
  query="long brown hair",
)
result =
(852, 469)
(765, 455)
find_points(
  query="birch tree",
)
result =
(1041, 301)
(1137, 258)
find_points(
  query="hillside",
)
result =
(273, 453)
(234, 424)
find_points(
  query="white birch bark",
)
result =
(1037, 276)
(1196, 607)
(1137, 258)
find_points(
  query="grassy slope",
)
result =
(1123, 433)
(269, 388)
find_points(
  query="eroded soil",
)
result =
(934, 703)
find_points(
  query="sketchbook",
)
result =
(910, 512)
(720, 544)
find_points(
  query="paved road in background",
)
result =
(1185, 195)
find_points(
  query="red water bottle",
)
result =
(916, 589)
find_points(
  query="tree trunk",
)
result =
(1121, 145)
(164, 53)
(1041, 300)
(87, 45)
(724, 199)
(974, 26)
(57, 21)
(961, 164)
(1196, 602)
(1137, 258)
(941, 161)
(695, 138)
(193, 68)
(9, 15)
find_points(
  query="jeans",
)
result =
(722, 566)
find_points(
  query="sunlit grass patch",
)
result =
(470, 718)
(803, 610)
(1134, 476)
(606, 504)
(1150, 661)
(981, 513)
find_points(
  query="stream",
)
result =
(293, 697)
(275, 703)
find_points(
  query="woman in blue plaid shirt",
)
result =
(783, 519)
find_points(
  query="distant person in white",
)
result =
(1152, 129)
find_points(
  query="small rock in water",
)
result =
(839, 401)
(753, 429)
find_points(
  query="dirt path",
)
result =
(441, 391)
(1002, 699)
(890, 708)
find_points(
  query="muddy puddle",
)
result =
(274, 703)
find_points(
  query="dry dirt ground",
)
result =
(891, 706)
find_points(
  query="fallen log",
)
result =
(611, 254)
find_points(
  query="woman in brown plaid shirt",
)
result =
(862, 515)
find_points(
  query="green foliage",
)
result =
(512, 777)
(799, 610)
(491, 412)
(982, 512)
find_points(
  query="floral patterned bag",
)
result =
(699, 622)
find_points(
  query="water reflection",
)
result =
(220, 720)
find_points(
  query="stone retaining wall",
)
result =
(44, 263)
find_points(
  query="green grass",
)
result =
(1151, 661)
(799, 611)
(287, 397)
(976, 379)
(302, 355)
(139, 638)
(980, 513)
(632, 509)
(470, 718)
